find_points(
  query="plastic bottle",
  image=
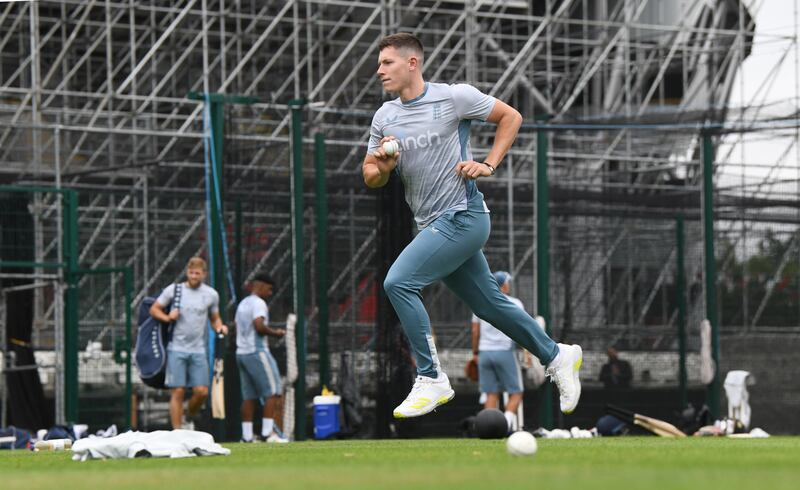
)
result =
(53, 445)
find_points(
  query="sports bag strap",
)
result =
(176, 301)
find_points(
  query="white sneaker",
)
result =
(426, 395)
(565, 376)
(277, 438)
(187, 424)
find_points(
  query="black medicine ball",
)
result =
(490, 423)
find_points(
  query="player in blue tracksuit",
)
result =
(431, 121)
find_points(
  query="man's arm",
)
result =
(378, 166)
(263, 329)
(476, 337)
(157, 312)
(216, 323)
(508, 121)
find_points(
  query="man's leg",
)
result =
(510, 378)
(248, 407)
(270, 428)
(198, 374)
(492, 400)
(176, 379)
(268, 386)
(176, 407)
(474, 284)
(487, 379)
(268, 416)
(434, 253)
(514, 400)
(249, 395)
(199, 395)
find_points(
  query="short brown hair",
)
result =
(196, 263)
(402, 40)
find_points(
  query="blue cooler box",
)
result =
(326, 416)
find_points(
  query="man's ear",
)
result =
(413, 62)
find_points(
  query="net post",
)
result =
(680, 291)
(543, 261)
(322, 257)
(71, 276)
(297, 106)
(712, 394)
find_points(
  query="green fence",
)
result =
(52, 309)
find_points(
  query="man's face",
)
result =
(262, 289)
(394, 68)
(195, 276)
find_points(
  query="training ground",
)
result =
(613, 463)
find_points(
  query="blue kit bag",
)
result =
(152, 338)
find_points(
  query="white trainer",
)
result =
(277, 437)
(565, 375)
(426, 395)
(187, 424)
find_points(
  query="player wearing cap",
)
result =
(495, 353)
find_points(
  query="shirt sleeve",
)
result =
(260, 310)
(471, 103)
(214, 306)
(375, 132)
(475, 318)
(166, 295)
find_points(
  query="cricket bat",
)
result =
(218, 382)
(656, 426)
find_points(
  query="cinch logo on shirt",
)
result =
(429, 138)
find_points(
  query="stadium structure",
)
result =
(635, 203)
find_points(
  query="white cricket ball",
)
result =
(391, 147)
(521, 443)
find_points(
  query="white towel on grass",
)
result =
(157, 444)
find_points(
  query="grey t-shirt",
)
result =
(433, 133)
(492, 338)
(247, 339)
(189, 333)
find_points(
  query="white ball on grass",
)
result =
(391, 147)
(521, 443)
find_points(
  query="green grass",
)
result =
(614, 463)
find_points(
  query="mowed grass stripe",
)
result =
(613, 463)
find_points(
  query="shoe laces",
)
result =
(419, 384)
(552, 373)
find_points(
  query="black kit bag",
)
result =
(152, 338)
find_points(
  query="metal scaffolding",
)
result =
(94, 97)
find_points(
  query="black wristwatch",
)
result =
(491, 168)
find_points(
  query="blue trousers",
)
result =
(449, 249)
